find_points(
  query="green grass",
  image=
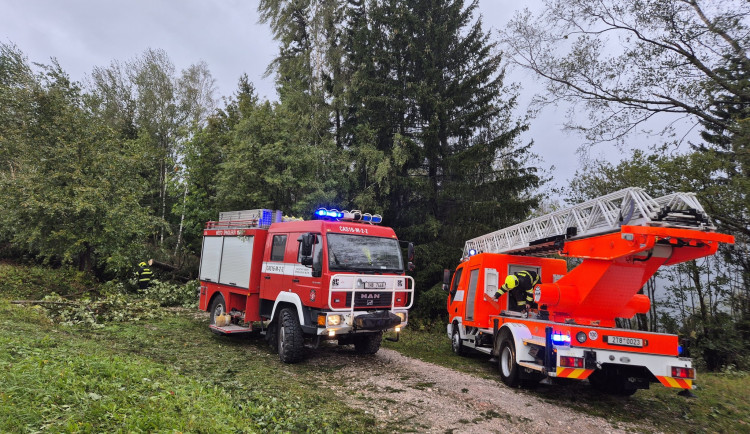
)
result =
(722, 403)
(157, 375)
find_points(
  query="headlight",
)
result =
(334, 320)
(401, 315)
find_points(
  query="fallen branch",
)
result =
(64, 303)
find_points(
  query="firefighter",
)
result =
(144, 275)
(521, 285)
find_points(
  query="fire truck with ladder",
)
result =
(338, 277)
(619, 241)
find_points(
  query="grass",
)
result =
(721, 405)
(156, 375)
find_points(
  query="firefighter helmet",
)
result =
(511, 282)
(142, 264)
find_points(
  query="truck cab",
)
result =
(334, 278)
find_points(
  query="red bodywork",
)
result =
(604, 286)
(266, 279)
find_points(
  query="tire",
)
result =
(368, 344)
(218, 307)
(509, 371)
(456, 345)
(290, 338)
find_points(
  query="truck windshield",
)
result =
(363, 253)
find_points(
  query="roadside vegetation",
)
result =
(158, 370)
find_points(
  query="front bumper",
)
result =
(336, 323)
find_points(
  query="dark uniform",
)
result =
(521, 286)
(144, 275)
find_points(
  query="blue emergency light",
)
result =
(560, 339)
(354, 215)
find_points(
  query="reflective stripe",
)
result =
(578, 374)
(676, 382)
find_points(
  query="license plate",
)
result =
(374, 285)
(626, 342)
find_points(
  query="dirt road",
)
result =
(406, 394)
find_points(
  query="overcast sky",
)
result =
(226, 34)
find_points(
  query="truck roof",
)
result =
(328, 226)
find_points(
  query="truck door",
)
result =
(302, 281)
(274, 269)
(471, 294)
(456, 295)
(512, 269)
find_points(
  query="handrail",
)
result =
(409, 289)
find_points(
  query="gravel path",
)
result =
(406, 394)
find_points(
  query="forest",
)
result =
(401, 109)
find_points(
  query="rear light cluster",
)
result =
(683, 372)
(572, 362)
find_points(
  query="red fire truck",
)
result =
(618, 242)
(339, 277)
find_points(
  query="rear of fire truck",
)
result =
(619, 241)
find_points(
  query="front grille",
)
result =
(369, 299)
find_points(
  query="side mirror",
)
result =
(307, 241)
(410, 256)
(446, 280)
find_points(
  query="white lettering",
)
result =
(352, 230)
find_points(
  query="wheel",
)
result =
(218, 307)
(509, 371)
(368, 344)
(456, 345)
(290, 339)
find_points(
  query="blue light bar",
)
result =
(334, 214)
(472, 252)
(560, 339)
(355, 215)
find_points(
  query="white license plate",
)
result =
(627, 342)
(374, 285)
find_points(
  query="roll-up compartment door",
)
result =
(471, 295)
(236, 259)
(211, 258)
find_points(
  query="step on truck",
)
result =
(569, 330)
(338, 277)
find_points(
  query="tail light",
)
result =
(683, 372)
(573, 362)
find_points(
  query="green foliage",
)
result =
(70, 192)
(429, 308)
(95, 312)
(171, 294)
(35, 282)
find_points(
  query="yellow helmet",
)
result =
(142, 264)
(511, 282)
